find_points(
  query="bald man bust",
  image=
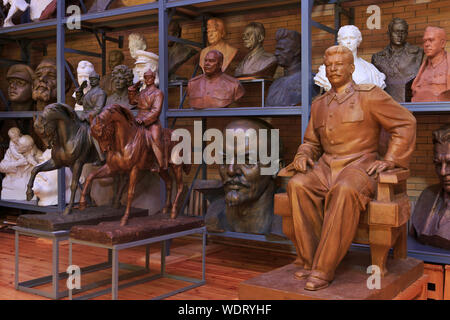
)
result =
(432, 82)
(214, 89)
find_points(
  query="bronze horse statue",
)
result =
(69, 138)
(128, 150)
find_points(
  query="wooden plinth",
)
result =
(350, 282)
(56, 221)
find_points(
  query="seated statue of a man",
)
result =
(149, 103)
(341, 148)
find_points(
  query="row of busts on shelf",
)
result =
(46, 9)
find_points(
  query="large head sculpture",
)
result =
(441, 141)
(213, 63)
(122, 78)
(434, 41)
(339, 65)
(254, 35)
(145, 61)
(350, 37)
(216, 31)
(84, 69)
(398, 32)
(115, 58)
(20, 79)
(288, 47)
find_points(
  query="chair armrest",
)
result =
(393, 176)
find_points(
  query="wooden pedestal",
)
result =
(350, 282)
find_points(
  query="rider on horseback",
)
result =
(149, 103)
(93, 102)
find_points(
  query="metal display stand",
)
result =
(115, 265)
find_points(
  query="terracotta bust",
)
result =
(432, 82)
(365, 72)
(115, 58)
(287, 90)
(431, 218)
(337, 164)
(178, 53)
(213, 89)
(248, 193)
(216, 34)
(257, 63)
(399, 61)
(121, 79)
(20, 80)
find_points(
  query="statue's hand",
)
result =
(380, 166)
(301, 163)
(139, 121)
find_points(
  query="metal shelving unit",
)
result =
(158, 14)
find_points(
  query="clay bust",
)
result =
(216, 34)
(399, 61)
(257, 63)
(214, 89)
(248, 193)
(20, 158)
(431, 218)
(178, 53)
(45, 84)
(145, 61)
(115, 58)
(121, 79)
(365, 72)
(337, 163)
(84, 69)
(287, 90)
(432, 82)
(136, 41)
(16, 6)
(20, 79)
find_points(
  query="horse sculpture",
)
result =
(69, 138)
(128, 148)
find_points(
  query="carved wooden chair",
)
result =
(382, 225)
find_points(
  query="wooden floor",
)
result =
(226, 267)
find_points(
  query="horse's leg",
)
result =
(124, 180)
(102, 172)
(178, 172)
(115, 201)
(46, 166)
(164, 174)
(131, 188)
(76, 173)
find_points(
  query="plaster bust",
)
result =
(365, 73)
(399, 61)
(216, 39)
(20, 79)
(37, 7)
(431, 217)
(145, 61)
(136, 41)
(85, 68)
(15, 7)
(257, 63)
(122, 78)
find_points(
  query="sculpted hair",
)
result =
(439, 31)
(293, 36)
(258, 28)
(397, 21)
(218, 54)
(442, 135)
(220, 26)
(138, 38)
(350, 28)
(125, 71)
(339, 50)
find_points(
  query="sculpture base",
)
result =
(350, 282)
(92, 215)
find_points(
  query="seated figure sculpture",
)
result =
(343, 137)
(213, 89)
(432, 82)
(216, 33)
(431, 218)
(365, 72)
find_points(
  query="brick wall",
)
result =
(418, 13)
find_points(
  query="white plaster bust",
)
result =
(16, 5)
(365, 72)
(136, 41)
(20, 158)
(36, 8)
(84, 69)
(46, 184)
(144, 61)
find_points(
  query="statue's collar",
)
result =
(343, 96)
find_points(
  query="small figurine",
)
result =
(84, 69)
(216, 34)
(179, 53)
(431, 218)
(257, 63)
(20, 81)
(287, 90)
(365, 72)
(16, 6)
(337, 164)
(121, 79)
(115, 58)
(399, 61)
(213, 89)
(431, 82)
